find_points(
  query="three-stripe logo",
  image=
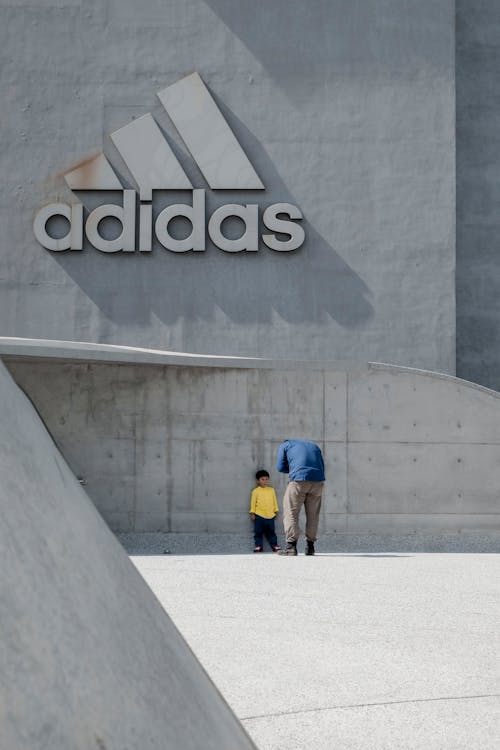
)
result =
(154, 166)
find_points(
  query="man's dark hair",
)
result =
(261, 473)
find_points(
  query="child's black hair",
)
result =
(261, 473)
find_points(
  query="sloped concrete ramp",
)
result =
(88, 657)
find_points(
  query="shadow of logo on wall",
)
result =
(166, 298)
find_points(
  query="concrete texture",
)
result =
(349, 651)
(89, 352)
(175, 448)
(159, 543)
(349, 115)
(478, 191)
(88, 658)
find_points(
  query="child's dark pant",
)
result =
(264, 527)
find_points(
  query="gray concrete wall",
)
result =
(175, 448)
(89, 659)
(345, 109)
(478, 191)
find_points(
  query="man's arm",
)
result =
(282, 461)
(322, 462)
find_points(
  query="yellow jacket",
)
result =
(263, 502)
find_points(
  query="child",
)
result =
(263, 510)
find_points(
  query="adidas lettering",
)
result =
(154, 166)
(278, 218)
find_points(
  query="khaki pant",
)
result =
(298, 494)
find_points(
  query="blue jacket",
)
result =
(301, 460)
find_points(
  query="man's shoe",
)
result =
(276, 548)
(258, 549)
(290, 549)
(310, 548)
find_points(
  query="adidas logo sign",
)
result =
(154, 166)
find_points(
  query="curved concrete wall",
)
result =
(89, 659)
(174, 446)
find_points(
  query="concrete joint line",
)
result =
(347, 461)
(371, 705)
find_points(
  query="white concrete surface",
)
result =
(88, 658)
(366, 651)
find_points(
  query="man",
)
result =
(303, 462)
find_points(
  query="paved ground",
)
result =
(377, 650)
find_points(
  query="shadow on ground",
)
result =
(367, 545)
